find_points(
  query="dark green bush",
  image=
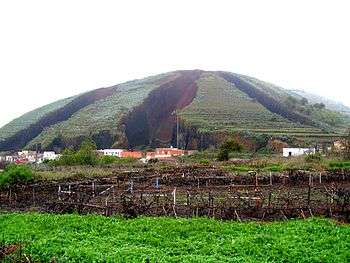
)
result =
(86, 155)
(227, 147)
(14, 174)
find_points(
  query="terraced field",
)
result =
(220, 106)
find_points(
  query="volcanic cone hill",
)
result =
(208, 105)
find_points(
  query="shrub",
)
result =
(313, 158)
(85, 156)
(204, 162)
(14, 174)
(106, 159)
(227, 147)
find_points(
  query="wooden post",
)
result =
(310, 180)
(157, 183)
(174, 196)
(106, 206)
(174, 202)
(59, 192)
(93, 189)
(131, 186)
(270, 178)
(237, 216)
(320, 178)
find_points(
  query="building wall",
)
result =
(112, 152)
(131, 154)
(288, 152)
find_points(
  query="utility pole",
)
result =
(177, 130)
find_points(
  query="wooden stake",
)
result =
(270, 178)
(237, 216)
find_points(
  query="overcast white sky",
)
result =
(54, 49)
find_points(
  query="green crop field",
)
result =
(92, 238)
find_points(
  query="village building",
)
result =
(294, 152)
(132, 154)
(26, 157)
(111, 152)
(164, 153)
(50, 155)
(10, 158)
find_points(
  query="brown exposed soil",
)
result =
(7, 250)
(153, 122)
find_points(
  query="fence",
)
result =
(186, 193)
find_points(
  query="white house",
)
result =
(50, 155)
(289, 152)
(112, 152)
(10, 158)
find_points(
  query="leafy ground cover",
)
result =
(92, 238)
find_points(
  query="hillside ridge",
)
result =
(142, 113)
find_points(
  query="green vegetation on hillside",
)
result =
(31, 117)
(74, 238)
(225, 103)
(220, 106)
(103, 115)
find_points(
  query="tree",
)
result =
(227, 147)
(87, 153)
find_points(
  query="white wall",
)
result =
(112, 152)
(287, 152)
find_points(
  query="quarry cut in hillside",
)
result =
(153, 122)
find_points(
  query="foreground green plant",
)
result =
(92, 238)
(15, 174)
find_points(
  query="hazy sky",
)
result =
(54, 49)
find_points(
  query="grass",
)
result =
(92, 238)
(334, 165)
